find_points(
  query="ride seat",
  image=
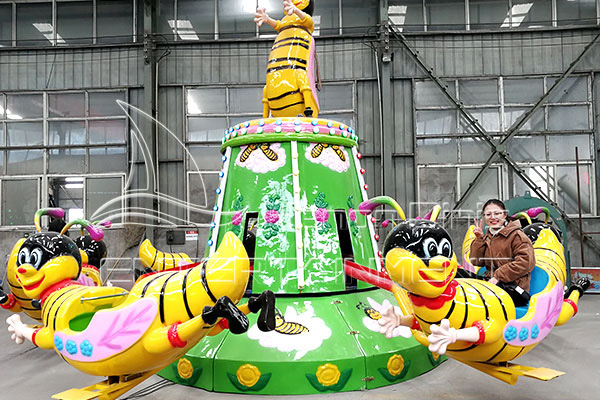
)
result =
(539, 280)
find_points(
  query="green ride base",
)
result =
(352, 357)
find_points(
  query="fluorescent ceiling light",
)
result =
(519, 12)
(48, 31)
(73, 179)
(184, 29)
(74, 185)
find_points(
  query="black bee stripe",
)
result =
(294, 27)
(551, 268)
(296, 59)
(47, 311)
(174, 262)
(205, 282)
(519, 353)
(465, 349)
(282, 67)
(294, 40)
(71, 293)
(154, 260)
(449, 313)
(499, 301)
(150, 283)
(487, 313)
(164, 262)
(499, 351)
(291, 44)
(284, 95)
(289, 105)
(184, 293)
(552, 251)
(21, 298)
(161, 299)
(15, 286)
(428, 322)
(464, 323)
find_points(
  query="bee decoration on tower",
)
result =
(291, 89)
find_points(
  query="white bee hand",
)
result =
(441, 336)
(16, 328)
(389, 321)
(260, 16)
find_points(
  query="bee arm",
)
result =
(177, 335)
(9, 302)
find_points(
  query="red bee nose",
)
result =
(21, 270)
(446, 264)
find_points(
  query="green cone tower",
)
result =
(290, 187)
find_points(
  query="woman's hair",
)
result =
(497, 202)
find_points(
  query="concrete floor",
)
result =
(28, 373)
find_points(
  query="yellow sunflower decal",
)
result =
(248, 375)
(185, 369)
(328, 374)
(395, 365)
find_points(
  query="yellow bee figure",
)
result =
(290, 90)
(129, 336)
(471, 320)
(156, 260)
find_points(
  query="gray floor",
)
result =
(28, 373)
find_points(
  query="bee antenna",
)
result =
(367, 207)
(53, 212)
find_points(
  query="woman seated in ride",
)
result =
(505, 251)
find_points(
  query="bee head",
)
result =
(308, 6)
(95, 250)
(45, 259)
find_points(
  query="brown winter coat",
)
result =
(508, 256)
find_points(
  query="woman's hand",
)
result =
(478, 231)
(288, 7)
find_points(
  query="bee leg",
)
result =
(581, 286)
(265, 303)
(225, 308)
(308, 112)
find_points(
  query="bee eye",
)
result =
(430, 248)
(23, 257)
(36, 258)
(445, 248)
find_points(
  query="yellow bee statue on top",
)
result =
(473, 321)
(129, 336)
(290, 90)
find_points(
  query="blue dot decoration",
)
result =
(71, 347)
(237, 127)
(231, 129)
(297, 122)
(278, 122)
(535, 331)
(261, 122)
(215, 208)
(315, 122)
(224, 158)
(210, 242)
(58, 343)
(86, 348)
(523, 334)
(510, 333)
(218, 191)
(221, 174)
(213, 225)
(329, 124)
(247, 124)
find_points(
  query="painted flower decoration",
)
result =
(185, 369)
(395, 365)
(352, 215)
(328, 374)
(58, 343)
(271, 217)
(71, 347)
(236, 218)
(248, 375)
(321, 214)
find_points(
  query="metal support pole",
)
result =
(581, 233)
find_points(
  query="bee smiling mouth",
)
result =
(436, 282)
(33, 286)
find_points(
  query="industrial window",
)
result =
(359, 16)
(406, 15)
(64, 136)
(445, 14)
(543, 147)
(20, 201)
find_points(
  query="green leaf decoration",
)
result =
(260, 385)
(344, 376)
(236, 229)
(351, 202)
(435, 362)
(391, 378)
(327, 225)
(191, 381)
(275, 207)
(238, 204)
(320, 201)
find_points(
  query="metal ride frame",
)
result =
(499, 149)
